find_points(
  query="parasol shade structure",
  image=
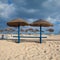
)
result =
(22, 30)
(36, 30)
(41, 23)
(2, 34)
(50, 30)
(17, 23)
(29, 29)
(1, 30)
(9, 29)
(26, 30)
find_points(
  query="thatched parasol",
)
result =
(41, 23)
(26, 30)
(50, 30)
(22, 30)
(30, 29)
(36, 30)
(1, 30)
(2, 34)
(17, 23)
(9, 29)
(42, 31)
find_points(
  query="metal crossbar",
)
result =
(29, 37)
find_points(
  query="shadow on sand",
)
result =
(25, 40)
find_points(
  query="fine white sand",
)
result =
(31, 49)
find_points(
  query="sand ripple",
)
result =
(29, 50)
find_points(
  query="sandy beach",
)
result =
(31, 49)
(29, 29)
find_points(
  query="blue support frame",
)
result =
(18, 34)
(40, 34)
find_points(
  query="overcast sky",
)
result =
(31, 10)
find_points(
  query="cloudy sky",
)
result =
(30, 10)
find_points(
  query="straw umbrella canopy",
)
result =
(41, 23)
(17, 23)
(9, 29)
(30, 29)
(42, 31)
(1, 30)
(36, 30)
(26, 30)
(22, 30)
(2, 34)
(50, 30)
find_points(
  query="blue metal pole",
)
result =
(18, 34)
(40, 34)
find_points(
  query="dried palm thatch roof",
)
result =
(22, 30)
(1, 30)
(16, 22)
(42, 23)
(50, 30)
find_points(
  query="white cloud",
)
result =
(20, 2)
(51, 4)
(29, 10)
(52, 20)
(6, 10)
(31, 20)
